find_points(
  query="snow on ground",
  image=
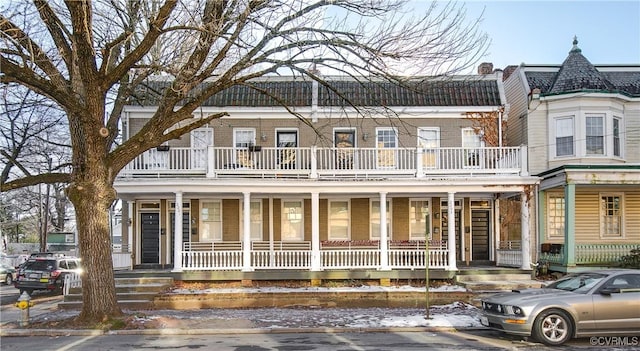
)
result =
(364, 288)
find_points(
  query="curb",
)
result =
(96, 332)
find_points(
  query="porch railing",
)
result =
(298, 255)
(592, 254)
(509, 254)
(315, 162)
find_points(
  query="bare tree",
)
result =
(89, 58)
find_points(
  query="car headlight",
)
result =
(514, 310)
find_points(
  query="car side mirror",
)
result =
(609, 291)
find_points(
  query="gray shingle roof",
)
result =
(578, 74)
(297, 93)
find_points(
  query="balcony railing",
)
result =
(314, 162)
(592, 254)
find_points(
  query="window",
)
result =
(470, 142)
(243, 140)
(564, 136)
(339, 220)
(374, 216)
(201, 138)
(287, 142)
(555, 216)
(610, 215)
(292, 220)
(419, 223)
(616, 137)
(255, 210)
(211, 219)
(429, 141)
(344, 141)
(386, 138)
(595, 135)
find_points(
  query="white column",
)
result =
(451, 232)
(130, 247)
(315, 231)
(177, 234)
(525, 241)
(246, 234)
(384, 247)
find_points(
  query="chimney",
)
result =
(485, 68)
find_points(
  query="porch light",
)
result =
(365, 136)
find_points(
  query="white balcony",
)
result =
(314, 162)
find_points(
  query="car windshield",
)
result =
(579, 283)
(39, 265)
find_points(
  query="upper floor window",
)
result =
(595, 135)
(616, 137)
(386, 138)
(564, 136)
(611, 215)
(470, 142)
(429, 141)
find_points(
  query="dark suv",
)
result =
(45, 273)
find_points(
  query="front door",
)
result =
(150, 237)
(479, 235)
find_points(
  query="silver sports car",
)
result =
(586, 304)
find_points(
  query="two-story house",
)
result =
(581, 123)
(364, 179)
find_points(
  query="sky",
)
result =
(542, 32)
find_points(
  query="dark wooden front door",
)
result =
(150, 237)
(480, 234)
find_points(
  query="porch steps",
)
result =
(132, 293)
(482, 281)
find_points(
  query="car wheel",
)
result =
(9, 279)
(553, 327)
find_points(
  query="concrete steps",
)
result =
(498, 281)
(132, 293)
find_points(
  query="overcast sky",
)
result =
(541, 32)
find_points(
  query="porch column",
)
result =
(525, 238)
(246, 234)
(315, 231)
(177, 234)
(129, 242)
(384, 247)
(451, 232)
(569, 249)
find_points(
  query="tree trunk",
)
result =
(92, 199)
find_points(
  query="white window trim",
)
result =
(348, 201)
(343, 129)
(201, 221)
(553, 151)
(282, 218)
(430, 218)
(605, 136)
(601, 216)
(548, 232)
(621, 135)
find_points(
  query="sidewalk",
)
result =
(456, 316)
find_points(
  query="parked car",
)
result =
(594, 303)
(45, 272)
(7, 274)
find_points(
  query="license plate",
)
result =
(34, 275)
(44, 280)
(484, 321)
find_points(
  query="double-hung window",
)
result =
(419, 220)
(211, 219)
(616, 137)
(595, 135)
(564, 136)
(339, 220)
(555, 216)
(255, 219)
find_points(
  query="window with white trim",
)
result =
(292, 228)
(211, 219)
(374, 217)
(594, 135)
(555, 216)
(386, 144)
(339, 220)
(419, 222)
(255, 214)
(429, 141)
(471, 141)
(611, 215)
(564, 136)
(616, 137)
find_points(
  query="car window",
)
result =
(63, 264)
(578, 283)
(39, 265)
(73, 264)
(625, 281)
